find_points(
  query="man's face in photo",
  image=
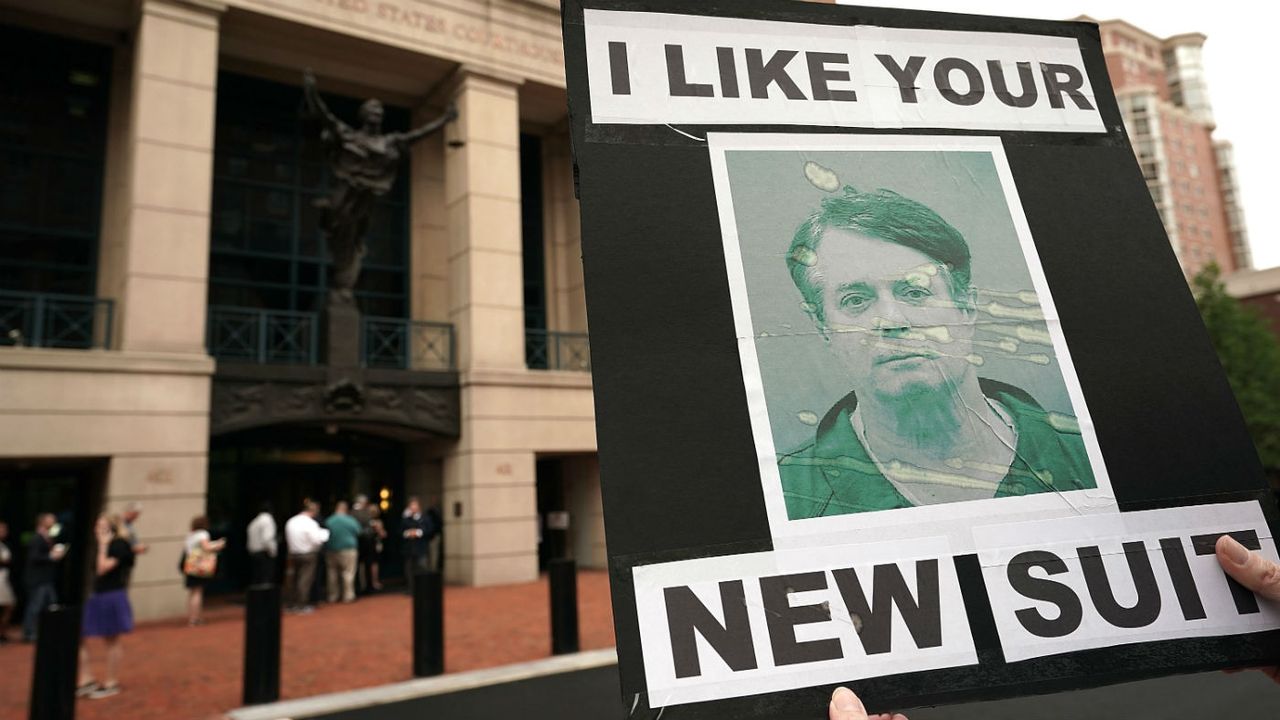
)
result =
(891, 316)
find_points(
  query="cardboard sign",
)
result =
(898, 381)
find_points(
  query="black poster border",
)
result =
(1120, 327)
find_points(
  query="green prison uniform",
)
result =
(834, 475)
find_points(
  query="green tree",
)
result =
(1250, 354)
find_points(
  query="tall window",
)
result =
(53, 112)
(266, 248)
(538, 349)
(531, 217)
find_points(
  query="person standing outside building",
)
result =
(340, 553)
(7, 598)
(378, 531)
(197, 574)
(41, 576)
(361, 511)
(132, 512)
(107, 613)
(435, 539)
(416, 531)
(305, 537)
(260, 541)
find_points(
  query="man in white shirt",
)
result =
(305, 537)
(263, 546)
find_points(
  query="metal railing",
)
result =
(285, 337)
(551, 350)
(406, 344)
(53, 320)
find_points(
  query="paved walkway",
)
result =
(176, 672)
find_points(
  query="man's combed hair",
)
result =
(884, 215)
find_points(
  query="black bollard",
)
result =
(563, 575)
(428, 623)
(53, 682)
(262, 645)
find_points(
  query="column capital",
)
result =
(199, 12)
(470, 76)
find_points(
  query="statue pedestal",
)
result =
(342, 337)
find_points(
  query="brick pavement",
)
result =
(175, 672)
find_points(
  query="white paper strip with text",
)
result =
(1096, 581)
(654, 68)
(722, 627)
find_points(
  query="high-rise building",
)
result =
(1164, 99)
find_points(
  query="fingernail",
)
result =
(1236, 552)
(843, 699)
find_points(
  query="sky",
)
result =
(1241, 90)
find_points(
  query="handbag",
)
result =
(200, 563)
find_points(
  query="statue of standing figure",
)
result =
(364, 162)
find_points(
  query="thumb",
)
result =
(846, 706)
(1250, 569)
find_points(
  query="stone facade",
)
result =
(144, 404)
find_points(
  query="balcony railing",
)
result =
(284, 337)
(51, 320)
(406, 344)
(550, 350)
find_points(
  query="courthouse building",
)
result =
(163, 278)
(1164, 98)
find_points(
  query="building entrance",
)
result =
(283, 466)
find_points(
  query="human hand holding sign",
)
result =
(846, 706)
(1248, 568)
(1253, 571)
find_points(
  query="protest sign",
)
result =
(898, 381)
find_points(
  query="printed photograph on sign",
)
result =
(902, 359)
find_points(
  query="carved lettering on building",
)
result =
(402, 15)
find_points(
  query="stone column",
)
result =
(489, 473)
(482, 200)
(155, 246)
(428, 226)
(154, 260)
(566, 298)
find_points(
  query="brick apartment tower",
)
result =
(1164, 99)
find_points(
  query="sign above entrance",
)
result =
(898, 381)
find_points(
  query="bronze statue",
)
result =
(364, 162)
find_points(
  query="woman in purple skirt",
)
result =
(107, 613)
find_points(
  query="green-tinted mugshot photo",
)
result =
(902, 346)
